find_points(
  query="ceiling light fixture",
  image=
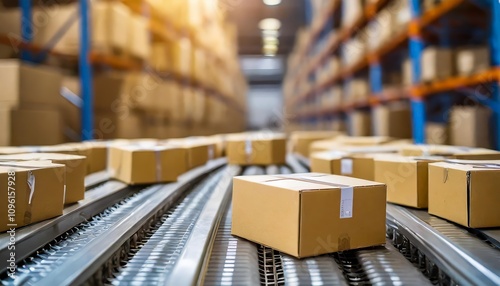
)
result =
(272, 2)
(270, 24)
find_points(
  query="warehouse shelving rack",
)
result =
(412, 36)
(88, 59)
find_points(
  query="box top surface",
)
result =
(405, 159)
(470, 165)
(263, 136)
(315, 134)
(308, 181)
(145, 147)
(27, 165)
(446, 149)
(39, 156)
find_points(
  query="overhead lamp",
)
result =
(272, 2)
(270, 40)
(270, 24)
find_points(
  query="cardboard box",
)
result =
(28, 86)
(33, 202)
(342, 142)
(453, 152)
(436, 133)
(358, 164)
(469, 126)
(358, 123)
(288, 212)
(392, 120)
(138, 44)
(406, 178)
(465, 192)
(110, 92)
(136, 164)
(437, 63)
(111, 125)
(97, 155)
(256, 149)
(473, 60)
(35, 127)
(75, 171)
(301, 140)
(198, 150)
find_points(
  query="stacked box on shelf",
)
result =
(30, 104)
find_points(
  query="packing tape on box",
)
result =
(248, 150)
(159, 166)
(346, 192)
(211, 152)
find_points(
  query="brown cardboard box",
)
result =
(436, 133)
(465, 192)
(406, 178)
(359, 123)
(473, 60)
(198, 150)
(288, 212)
(110, 92)
(28, 86)
(34, 202)
(97, 155)
(301, 140)
(392, 120)
(136, 164)
(437, 63)
(454, 152)
(35, 127)
(343, 142)
(75, 171)
(256, 149)
(353, 164)
(111, 125)
(469, 126)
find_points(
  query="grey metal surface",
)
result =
(33, 237)
(272, 170)
(493, 236)
(295, 165)
(77, 269)
(157, 257)
(194, 257)
(302, 159)
(233, 261)
(320, 270)
(48, 260)
(92, 180)
(386, 266)
(285, 170)
(465, 258)
(270, 266)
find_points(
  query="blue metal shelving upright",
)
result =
(495, 62)
(85, 67)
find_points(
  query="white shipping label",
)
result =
(346, 201)
(346, 166)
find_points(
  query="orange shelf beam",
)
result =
(488, 76)
(435, 13)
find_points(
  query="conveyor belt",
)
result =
(446, 252)
(180, 234)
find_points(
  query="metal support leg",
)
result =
(86, 72)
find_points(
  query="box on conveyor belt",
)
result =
(36, 194)
(301, 140)
(406, 178)
(453, 152)
(199, 150)
(75, 170)
(348, 141)
(309, 214)
(256, 149)
(465, 192)
(146, 164)
(353, 162)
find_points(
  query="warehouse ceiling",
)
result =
(247, 14)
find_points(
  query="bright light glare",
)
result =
(270, 24)
(272, 2)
